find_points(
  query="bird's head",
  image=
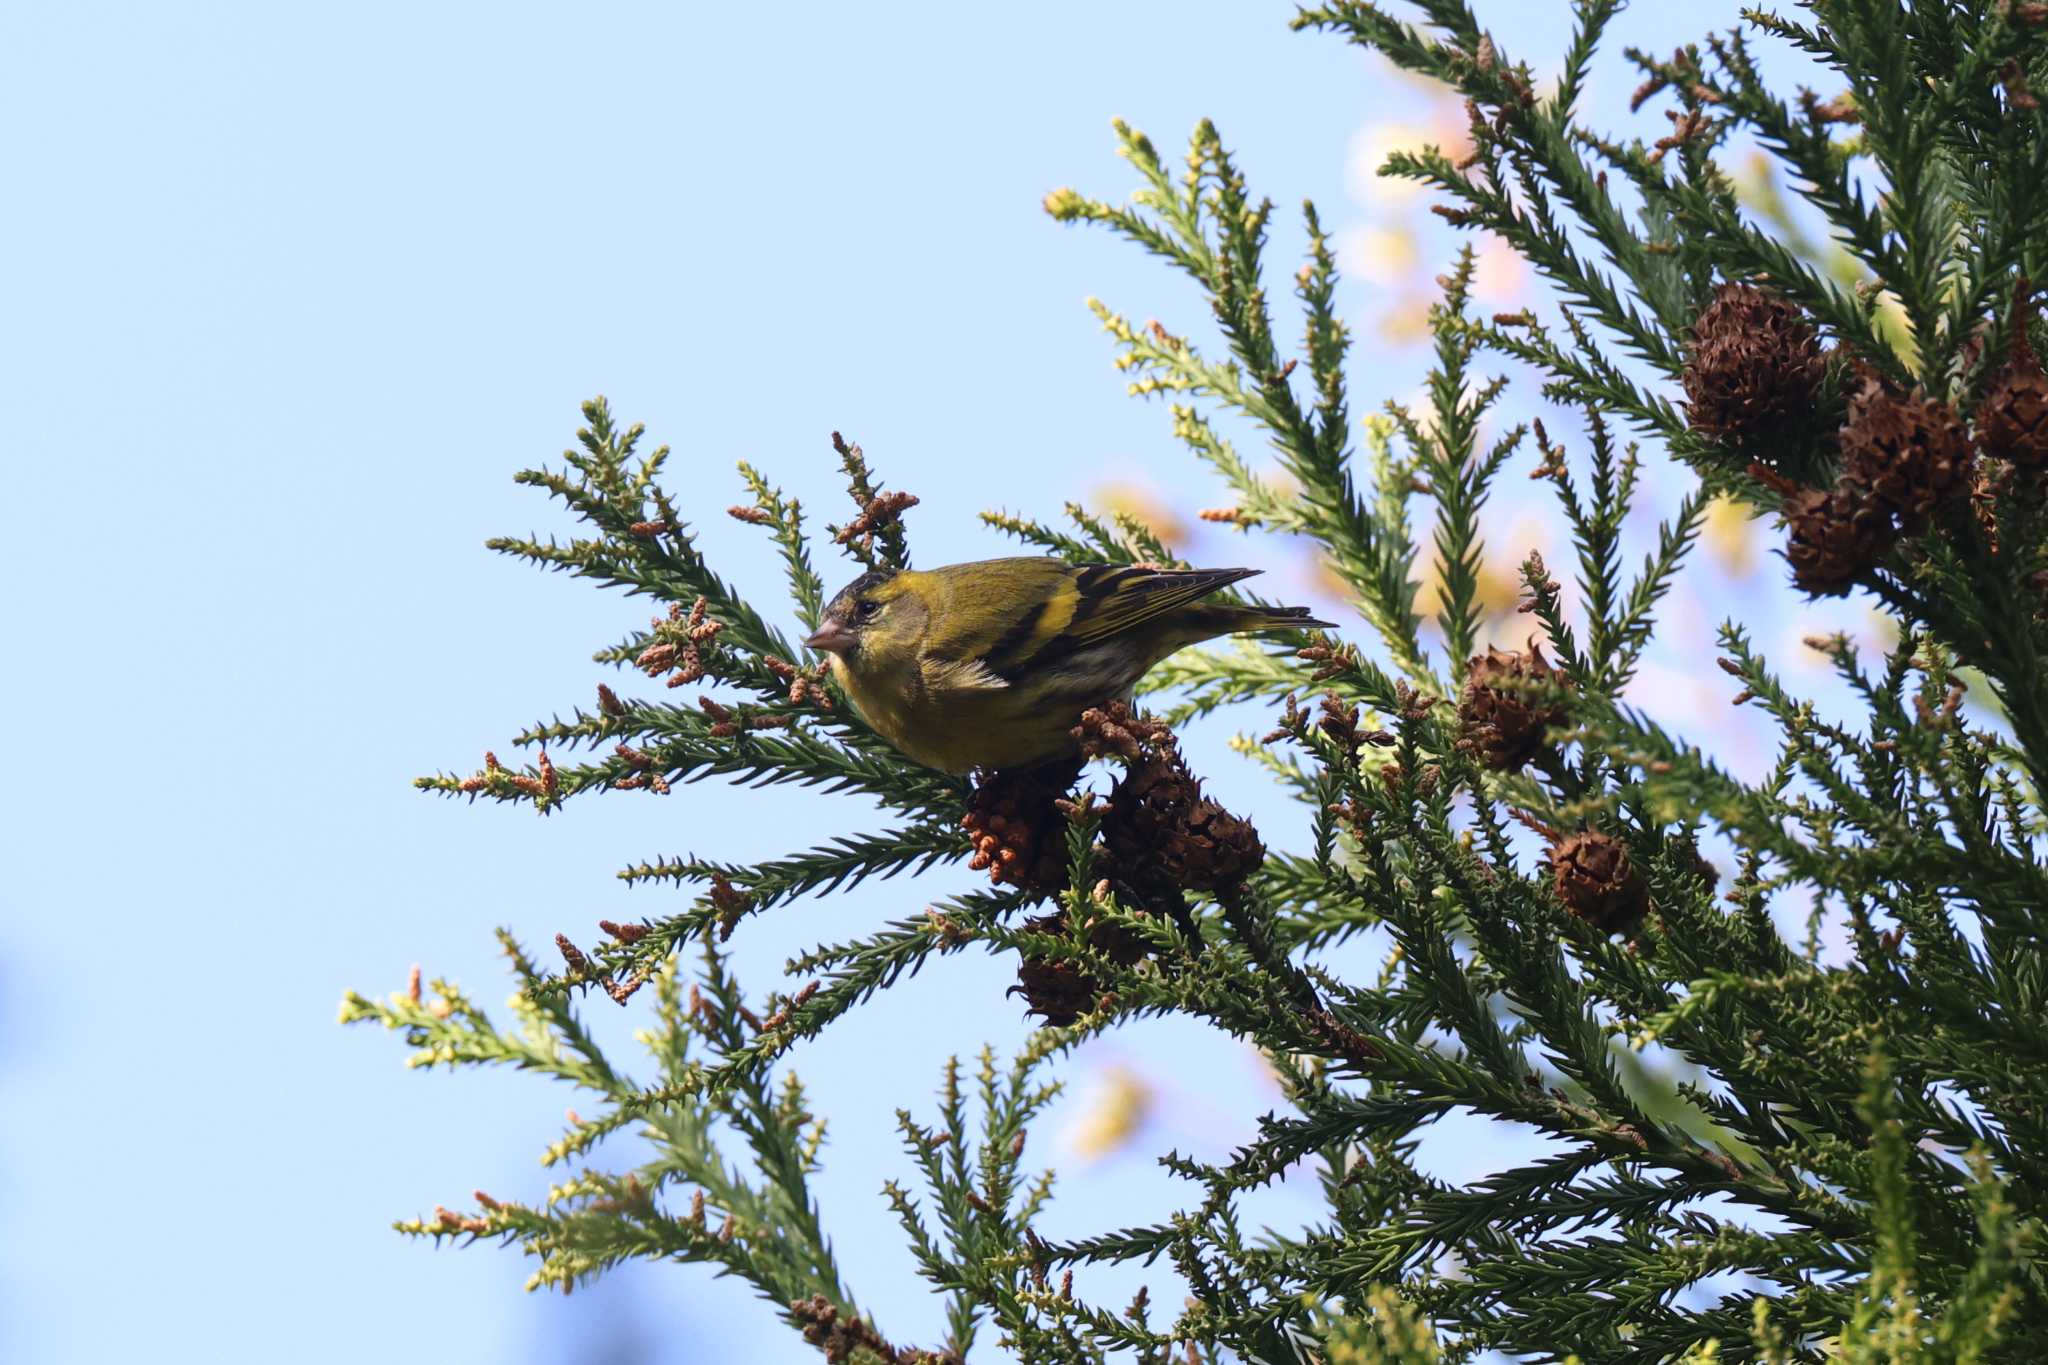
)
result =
(873, 620)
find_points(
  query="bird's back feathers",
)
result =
(1017, 614)
(990, 664)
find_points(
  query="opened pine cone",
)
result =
(1060, 991)
(2012, 417)
(1906, 453)
(1687, 847)
(1016, 828)
(1057, 991)
(1216, 850)
(1754, 365)
(1993, 483)
(1595, 878)
(1502, 713)
(1835, 536)
(1161, 829)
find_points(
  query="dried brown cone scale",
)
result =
(1502, 713)
(1834, 537)
(1598, 882)
(1055, 990)
(1905, 453)
(1017, 830)
(1058, 990)
(1161, 838)
(2012, 417)
(1162, 835)
(1993, 483)
(1754, 365)
(1217, 849)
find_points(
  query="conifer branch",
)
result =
(1849, 1124)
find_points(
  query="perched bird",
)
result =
(990, 665)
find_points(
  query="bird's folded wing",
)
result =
(1014, 614)
(1001, 612)
(1118, 598)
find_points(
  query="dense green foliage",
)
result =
(1861, 1157)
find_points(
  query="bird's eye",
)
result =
(866, 610)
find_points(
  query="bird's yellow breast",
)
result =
(955, 729)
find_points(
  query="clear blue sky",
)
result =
(291, 292)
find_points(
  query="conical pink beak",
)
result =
(832, 637)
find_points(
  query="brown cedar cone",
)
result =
(2012, 417)
(1059, 991)
(1164, 836)
(1754, 364)
(1835, 536)
(1501, 717)
(1994, 482)
(839, 1337)
(1218, 849)
(1688, 849)
(1019, 836)
(1054, 990)
(1908, 453)
(1596, 881)
(1116, 731)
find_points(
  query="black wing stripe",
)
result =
(1110, 587)
(1131, 595)
(1098, 579)
(999, 655)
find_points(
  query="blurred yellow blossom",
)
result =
(1755, 176)
(1381, 255)
(1880, 633)
(1500, 592)
(1793, 654)
(1758, 186)
(1499, 273)
(1142, 503)
(1280, 481)
(1374, 143)
(1119, 1103)
(1500, 589)
(1730, 533)
(1267, 1074)
(1385, 72)
(1405, 319)
(1327, 581)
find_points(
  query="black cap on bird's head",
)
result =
(857, 604)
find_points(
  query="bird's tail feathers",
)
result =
(1236, 620)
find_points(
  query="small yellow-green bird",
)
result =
(990, 665)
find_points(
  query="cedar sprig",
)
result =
(875, 535)
(1859, 1138)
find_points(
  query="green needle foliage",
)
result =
(1856, 1167)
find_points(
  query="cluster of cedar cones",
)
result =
(1510, 703)
(1160, 837)
(1755, 375)
(846, 1337)
(1755, 370)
